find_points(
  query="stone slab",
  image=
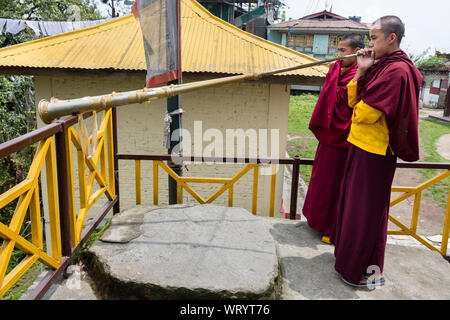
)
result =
(194, 252)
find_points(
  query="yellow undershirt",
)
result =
(369, 130)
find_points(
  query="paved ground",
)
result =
(443, 146)
(307, 269)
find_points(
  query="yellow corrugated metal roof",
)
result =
(208, 44)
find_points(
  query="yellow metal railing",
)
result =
(227, 184)
(96, 167)
(412, 230)
(27, 193)
(103, 155)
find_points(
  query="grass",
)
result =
(25, 281)
(22, 285)
(430, 132)
(300, 111)
(93, 237)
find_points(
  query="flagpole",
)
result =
(174, 107)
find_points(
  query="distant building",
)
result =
(252, 16)
(316, 35)
(435, 86)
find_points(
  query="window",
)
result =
(300, 40)
(333, 41)
(436, 83)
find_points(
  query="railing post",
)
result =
(447, 104)
(446, 230)
(63, 192)
(294, 187)
(116, 208)
(137, 177)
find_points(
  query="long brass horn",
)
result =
(54, 109)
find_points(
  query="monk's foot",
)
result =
(376, 279)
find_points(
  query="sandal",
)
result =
(366, 282)
(377, 282)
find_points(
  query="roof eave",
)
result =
(72, 72)
(322, 30)
(141, 74)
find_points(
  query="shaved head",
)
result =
(354, 40)
(390, 25)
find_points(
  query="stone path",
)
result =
(443, 146)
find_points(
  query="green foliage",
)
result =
(17, 113)
(48, 10)
(432, 62)
(17, 117)
(424, 60)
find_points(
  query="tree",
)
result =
(17, 108)
(424, 60)
(48, 10)
(432, 62)
(117, 7)
(283, 16)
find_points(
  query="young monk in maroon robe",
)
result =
(330, 123)
(385, 97)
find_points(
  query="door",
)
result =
(320, 45)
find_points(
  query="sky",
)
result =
(427, 22)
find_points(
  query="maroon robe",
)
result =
(392, 85)
(331, 119)
(360, 229)
(330, 123)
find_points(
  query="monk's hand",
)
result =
(365, 61)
